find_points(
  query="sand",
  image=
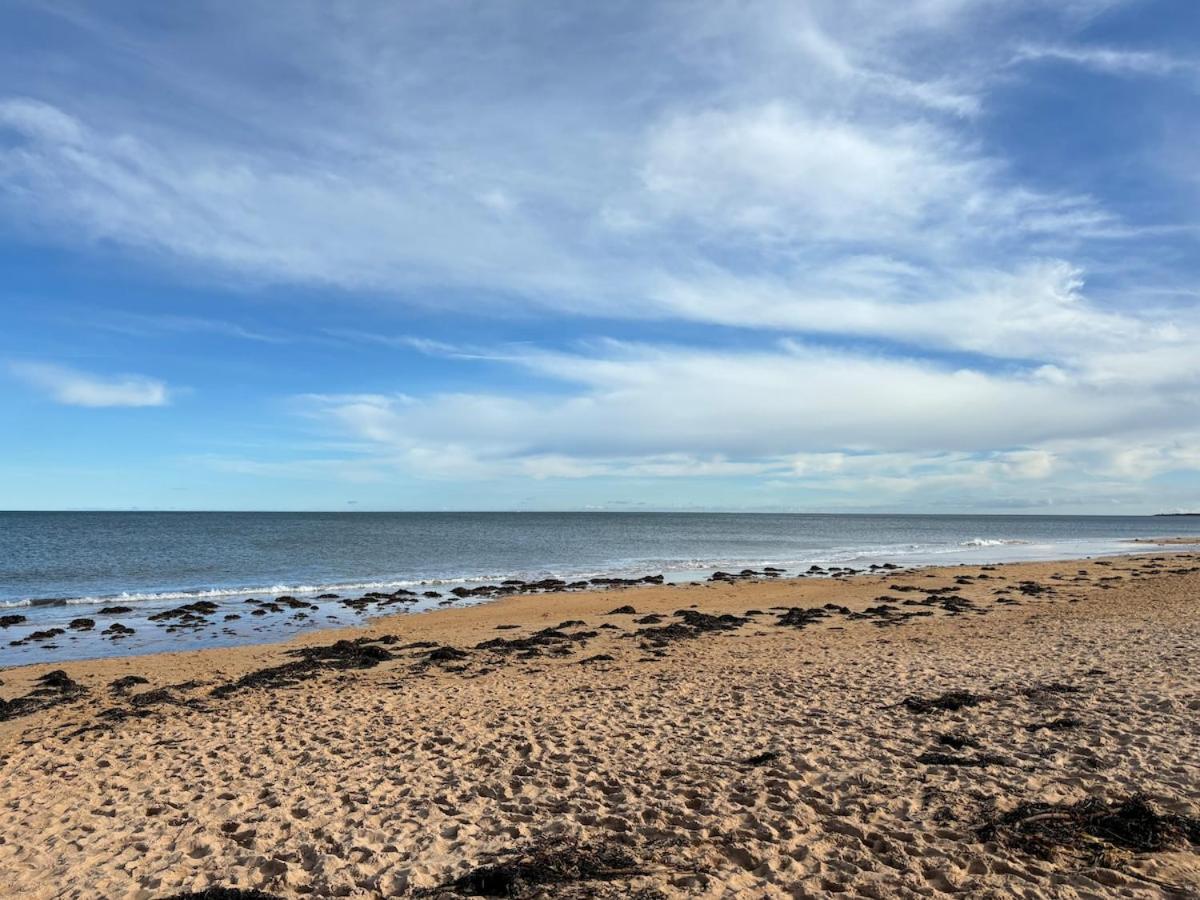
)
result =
(759, 760)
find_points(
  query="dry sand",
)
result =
(758, 761)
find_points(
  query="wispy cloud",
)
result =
(1109, 59)
(631, 402)
(72, 387)
(148, 324)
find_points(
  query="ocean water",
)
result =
(55, 567)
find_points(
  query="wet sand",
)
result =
(792, 751)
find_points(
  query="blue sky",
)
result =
(832, 255)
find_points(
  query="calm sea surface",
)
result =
(55, 567)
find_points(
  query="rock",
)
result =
(45, 635)
(5, 621)
(82, 624)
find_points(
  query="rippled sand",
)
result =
(755, 759)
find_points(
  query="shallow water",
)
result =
(55, 567)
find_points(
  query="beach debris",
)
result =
(1033, 589)
(950, 701)
(761, 759)
(313, 661)
(529, 870)
(940, 758)
(956, 739)
(551, 639)
(1090, 830)
(447, 654)
(121, 685)
(693, 625)
(53, 689)
(802, 617)
(1066, 723)
(225, 893)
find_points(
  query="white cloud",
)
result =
(824, 170)
(773, 171)
(793, 135)
(1110, 60)
(1038, 312)
(71, 387)
(800, 408)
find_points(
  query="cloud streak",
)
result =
(71, 387)
(1110, 60)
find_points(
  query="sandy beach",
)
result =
(969, 730)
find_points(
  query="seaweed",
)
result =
(980, 760)
(224, 893)
(357, 654)
(54, 689)
(949, 701)
(544, 864)
(1090, 829)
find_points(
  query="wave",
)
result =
(335, 587)
(206, 593)
(675, 568)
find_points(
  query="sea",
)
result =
(56, 567)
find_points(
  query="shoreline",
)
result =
(78, 629)
(722, 750)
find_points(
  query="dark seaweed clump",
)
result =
(54, 689)
(1091, 829)
(693, 625)
(978, 760)
(530, 870)
(225, 893)
(949, 701)
(551, 640)
(358, 654)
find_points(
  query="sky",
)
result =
(838, 255)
